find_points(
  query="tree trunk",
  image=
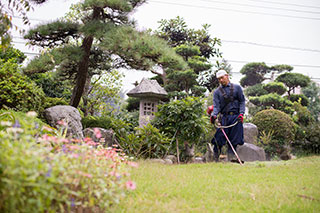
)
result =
(82, 73)
(85, 97)
(178, 158)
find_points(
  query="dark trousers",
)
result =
(235, 134)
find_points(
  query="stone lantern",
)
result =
(150, 94)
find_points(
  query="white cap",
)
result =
(221, 73)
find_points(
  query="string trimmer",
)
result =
(225, 135)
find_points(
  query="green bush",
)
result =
(43, 173)
(93, 121)
(50, 102)
(146, 142)
(302, 115)
(301, 98)
(18, 92)
(273, 100)
(255, 90)
(279, 125)
(53, 84)
(275, 87)
(307, 137)
(132, 104)
(131, 118)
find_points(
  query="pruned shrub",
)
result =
(301, 98)
(273, 100)
(275, 87)
(279, 125)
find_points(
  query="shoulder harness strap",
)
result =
(229, 98)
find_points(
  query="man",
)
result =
(229, 105)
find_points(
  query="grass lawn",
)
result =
(273, 186)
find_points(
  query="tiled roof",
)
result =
(148, 88)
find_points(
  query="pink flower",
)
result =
(130, 185)
(97, 132)
(84, 174)
(133, 164)
(74, 155)
(62, 123)
(87, 175)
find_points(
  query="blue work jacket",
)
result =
(236, 106)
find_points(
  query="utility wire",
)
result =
(272, 46)
(297, 5)
(234, 10)
(294, 65)
(265, 7)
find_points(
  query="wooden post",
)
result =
(177, 142)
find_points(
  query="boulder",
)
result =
(69, 115)
(107, 138)
(172, 158)
(250, 133)
(251, 152)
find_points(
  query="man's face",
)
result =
(224, 80)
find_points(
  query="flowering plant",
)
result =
(45, 172)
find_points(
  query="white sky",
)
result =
(270, 31)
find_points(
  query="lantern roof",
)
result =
(148, 89)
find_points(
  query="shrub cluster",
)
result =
(146, 142)
(17, 90)
(43, 172)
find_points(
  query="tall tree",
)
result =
(101, 25)
(293, 80)
(255, 72)
(196, 47)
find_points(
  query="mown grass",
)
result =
(275, 186)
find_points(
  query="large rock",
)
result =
(107, 136)
(69, 115)
(251, 152)
(250, 133)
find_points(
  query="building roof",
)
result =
(148, 89)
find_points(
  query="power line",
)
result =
(265, 7)
(272, 46)
(234, 10)
(297, 5)
(294, 65)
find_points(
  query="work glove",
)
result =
(213, 118)
(240, 118)
(210, 109)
